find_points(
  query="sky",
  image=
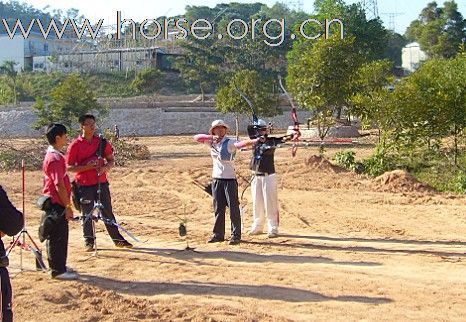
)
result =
(138, 10)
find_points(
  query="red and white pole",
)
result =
(23, 188)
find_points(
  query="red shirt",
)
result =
(81, 152)
(54, 168)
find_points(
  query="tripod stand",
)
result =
(96, 213)
(34, 249)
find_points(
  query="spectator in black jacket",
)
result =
(11, 223)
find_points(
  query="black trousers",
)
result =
(225, 193)
(90, 193)
(57, 244)
(7, 312)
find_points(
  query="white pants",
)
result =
(265, 203)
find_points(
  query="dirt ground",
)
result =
(350, 248)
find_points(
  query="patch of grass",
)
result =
(442, 176)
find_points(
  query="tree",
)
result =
(263, 54)
(8, 68)
(68, 101)
(147, 80)
(321, 72)
(429, 107)
(370, 93)
(199, 66)
(208, 62)
(370, 37)
(396, 42)
(248, 82)
(321, 78)
(439, 31)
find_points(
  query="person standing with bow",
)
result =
(83, 160)
(224, 183)
(264, 182)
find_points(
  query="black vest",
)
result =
(263, 155)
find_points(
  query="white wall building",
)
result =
(22, 51)
(412, 56)
(12, 49)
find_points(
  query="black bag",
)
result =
(44, 203)
(76, 195)
(47, 223)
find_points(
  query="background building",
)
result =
(412, 56)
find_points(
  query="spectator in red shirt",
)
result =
(82, 159)
(57, 186)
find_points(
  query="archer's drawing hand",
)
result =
(216, 139)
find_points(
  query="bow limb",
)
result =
(294, 117)
(254, 116)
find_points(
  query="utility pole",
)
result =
(391, 19)
(371, 9)
(296, 5)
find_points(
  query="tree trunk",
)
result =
(456, 146)
(237, 125)
(14, 94)
(338, 113)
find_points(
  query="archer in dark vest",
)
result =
(264, 183)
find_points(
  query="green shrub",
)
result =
(459, 182)
(378, 163)
(345, 159)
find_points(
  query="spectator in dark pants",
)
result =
(84, 160)
(57, 186)
(11, 223)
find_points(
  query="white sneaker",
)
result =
(66, 276)
(272, 235)
(255, 232)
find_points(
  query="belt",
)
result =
(262, 174)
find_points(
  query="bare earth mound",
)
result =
(400, 181)
(313, 172)
(322, 164)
